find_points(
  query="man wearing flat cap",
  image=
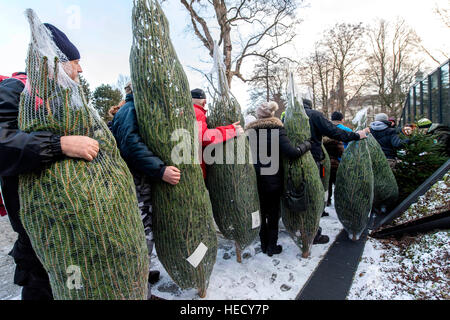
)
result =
(23, 152)
(211, 136)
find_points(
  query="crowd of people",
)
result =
(30, 152)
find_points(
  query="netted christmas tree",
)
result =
(82, 217)
(302, 226)
(354, 184)
(231, 180)
(326, 177)
(385, 185)
(184, 232)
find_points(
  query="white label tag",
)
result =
(326, 196)
(256, 220)
(198, 255)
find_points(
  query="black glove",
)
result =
(304, 147)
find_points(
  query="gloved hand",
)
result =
(305, 146)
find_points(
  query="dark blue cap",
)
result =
(198, 94)
(307, 103)
(63, 43)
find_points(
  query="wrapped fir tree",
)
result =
(304, 174)
(184, 232)
(231, 180)
(82, 217)
(385, 185)
(354, 184)
(325, 176)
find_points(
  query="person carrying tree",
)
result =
(23, 152)
(387, 137)
(145, 166)
(270, 185)
(320, 127)
(211, 136)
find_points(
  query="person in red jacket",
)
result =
(211, 136)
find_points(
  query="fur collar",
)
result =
(267, 123)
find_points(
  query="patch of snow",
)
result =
(410, 269)
(258, 277)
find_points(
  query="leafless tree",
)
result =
(318, 73)
(393, 62)
(246, 29)
(346, 47)
(268, 82)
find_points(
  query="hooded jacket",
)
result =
(274, 182)
(387, 137)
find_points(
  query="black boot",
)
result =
(320, 238)
(153, 277)
(272, 247)
(264, 237)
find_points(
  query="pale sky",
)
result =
(102, 31)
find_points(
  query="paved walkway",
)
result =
(8, 291)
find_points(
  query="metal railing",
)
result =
(429, 98)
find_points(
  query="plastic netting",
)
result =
(354, 184)
(302, 226)
(385, 185)
(231, 182)
(184, 232)
(82, 217)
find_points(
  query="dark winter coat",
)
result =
(20, 152)
(131, 145)
(387, 137)
(272, 183)
(321, 126)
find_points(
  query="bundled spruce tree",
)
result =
(184, 232)
(385, 185)
(232, 182)
(82, 217)
(327, 168)
(417, 162)
(301, 225)
(354, 184)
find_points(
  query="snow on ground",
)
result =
(435, 200)
(259, 277)
(8, 291)
(410, 269)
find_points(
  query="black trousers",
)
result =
(29, 273)
(270, 216)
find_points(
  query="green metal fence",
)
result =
(429, 98)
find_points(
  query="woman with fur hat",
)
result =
(268, 131)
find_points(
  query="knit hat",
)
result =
(267, 110)
(63, 43)
(337, 116)
(381, 117)
(198, 94)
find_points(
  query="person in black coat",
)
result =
(387, 137)
(320, 127)
(22, 152)
(145, 166)
(269, 171)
